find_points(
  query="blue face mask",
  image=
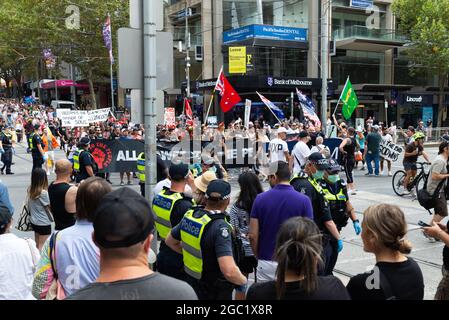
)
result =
(318, 175)
(333, 178)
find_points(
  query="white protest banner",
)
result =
(99, 115)
(390, 151)
(247, 112)
(74, 118)
(170, 117)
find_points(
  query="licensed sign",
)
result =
(237, 60)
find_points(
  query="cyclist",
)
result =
(412, 152)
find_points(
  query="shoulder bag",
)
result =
(56, 291)
(24, 223)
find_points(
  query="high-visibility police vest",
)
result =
(30, 140)
(163, 205)
(312, 181)
(76, 159)
(192, 230)
(141, 167)
(337, 203)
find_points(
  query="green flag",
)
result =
(349, 99)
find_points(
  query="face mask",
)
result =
(318, 175)
(333, 178)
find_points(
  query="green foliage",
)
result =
(427, 24)
(29, 26)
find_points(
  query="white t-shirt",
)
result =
(300, 153)
(277, 149)
(387, 138)
(167, 184)
(16, 267)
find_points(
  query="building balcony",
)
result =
(365, 39)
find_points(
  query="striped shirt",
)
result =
(240, 219)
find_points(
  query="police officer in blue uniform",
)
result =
(206, 240)
(170, 206)
(336, 194)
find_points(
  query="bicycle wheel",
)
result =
(420, 183)
(398, 183)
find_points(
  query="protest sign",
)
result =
(170, 117)
(99, 115)
(390, 151)
(73, 118)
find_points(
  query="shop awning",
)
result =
(63, 84)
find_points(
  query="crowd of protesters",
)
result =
(289, 236)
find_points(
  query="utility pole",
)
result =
(325, 7)
(149, 85)
(187, 40)
(292, 97)
(72, 77)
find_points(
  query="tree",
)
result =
(30, 26)
(426, 22)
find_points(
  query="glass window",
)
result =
(360, 66)
(286, 13)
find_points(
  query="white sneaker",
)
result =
(431, 239)
(390, 174)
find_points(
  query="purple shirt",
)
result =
(272, 209)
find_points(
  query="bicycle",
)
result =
(418, 182)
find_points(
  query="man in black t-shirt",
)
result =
(37, 148)
(87, 165)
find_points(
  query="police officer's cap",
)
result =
(178, 171)
(334, 167)
(84, 141)
(319, 161)
(218, 190)
(123, 219)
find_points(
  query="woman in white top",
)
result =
(18, 258)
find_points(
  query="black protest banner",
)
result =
(121, 155)
(116, 155)
(235, 153)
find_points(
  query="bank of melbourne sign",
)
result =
(362, 4)
(265, 32)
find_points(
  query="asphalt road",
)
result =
(352, 260)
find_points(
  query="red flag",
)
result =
(189, 113)
(229, 97)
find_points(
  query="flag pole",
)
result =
(210, 105)
(271, 111)
(213, 94)
(339, 99)
(112, 68)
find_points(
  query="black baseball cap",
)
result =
(5, 218)
(303, 134)
(123, 219)
(178, 171)
(218, 190)
(334, 167)
(321, 162)
(36, 126)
